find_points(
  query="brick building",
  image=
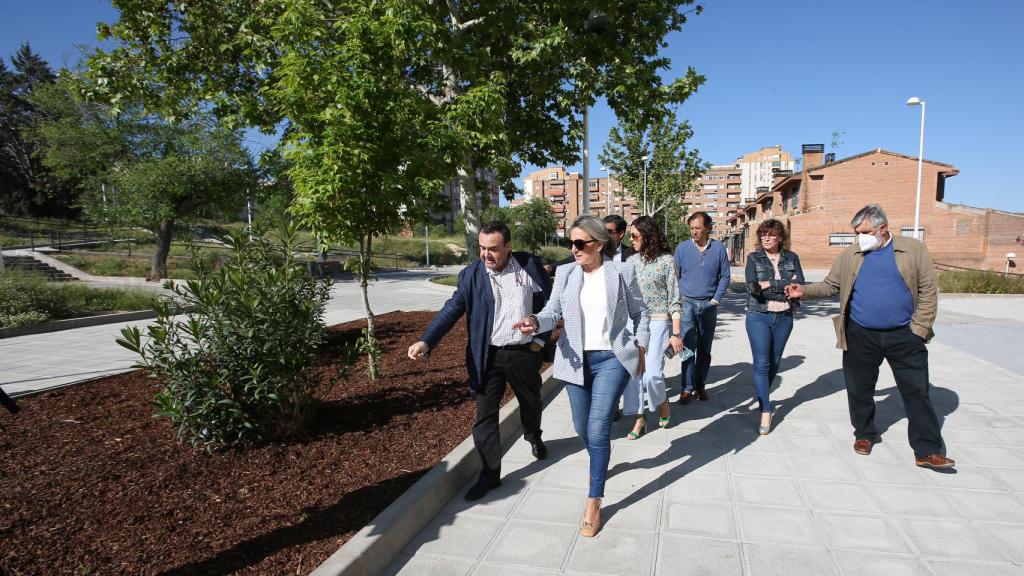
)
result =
(718, 192)
(564, 190)
(817, 203)
(758, 168)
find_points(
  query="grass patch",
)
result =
(979, 282)
(122, 265)
(29, 299)
(449, 280)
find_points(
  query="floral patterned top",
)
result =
(659, 285)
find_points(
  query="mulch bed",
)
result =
(92, 483)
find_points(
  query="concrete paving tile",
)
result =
(683, 439)
(842, 496)
(890, 473)
(956, 539)
(791, 426)
(824, 468)
(423, 565)
(750, 442)
(711, 519)
(496, 570)
(758, 464)
(614, 552)
(532, 544)
(1009, 408)
(855, 563)
(638, 511)
(913, 501)
(778, 526)
(498, 503)
(696, 486)
(981, 421)
(1010, 537)
(680, 556)
(848, 531)
(1010, 438)
(788, 561)
(955, 437)
(569, 474)
(461, 536)
(684, 461)
(992, 456)
(994, 506)
(767, 491)
(1012, 478)
(968, 478)
(953, 568)
(809, 446)
(552, 505)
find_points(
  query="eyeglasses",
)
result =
(581, 244)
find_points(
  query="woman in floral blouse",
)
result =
(659, 284)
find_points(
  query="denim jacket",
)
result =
(759, 268)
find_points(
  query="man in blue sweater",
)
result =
(888, 299)
(703, 277)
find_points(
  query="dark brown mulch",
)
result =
(92, 483)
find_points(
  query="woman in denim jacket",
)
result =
(769, 313)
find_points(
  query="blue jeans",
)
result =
(698, 324)
(768, 333)
(652, 383)
(592, 404)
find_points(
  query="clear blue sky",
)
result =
(789, 73)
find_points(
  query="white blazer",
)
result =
(624, 303)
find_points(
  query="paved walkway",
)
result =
(709, 496)
(41, 361)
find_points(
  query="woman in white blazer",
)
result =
(596, 354)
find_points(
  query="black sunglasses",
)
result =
(581, 244)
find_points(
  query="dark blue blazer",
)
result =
(474, 298)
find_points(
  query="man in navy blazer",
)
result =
(491, 292)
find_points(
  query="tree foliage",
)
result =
(673, 170)
(531, 223)
(137, 168)
(508, 80)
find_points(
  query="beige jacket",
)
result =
(915, 266)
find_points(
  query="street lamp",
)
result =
(644, 159)
(915, 101)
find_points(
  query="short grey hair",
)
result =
(873, 213)
(595, 227)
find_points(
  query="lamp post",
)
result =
(644, 160)
(915, 101)
(586, 160)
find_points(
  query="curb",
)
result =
(373, 548)
(85, 322)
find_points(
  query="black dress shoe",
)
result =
(617, 415)
(540, 451)
(482, 487)
(702, 395)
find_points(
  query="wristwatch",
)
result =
(675, 334)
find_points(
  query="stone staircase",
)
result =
(30, 264)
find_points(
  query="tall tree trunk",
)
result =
(470, 208)
(365, 245)
(158, 268)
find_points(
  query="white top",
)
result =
(594, 304)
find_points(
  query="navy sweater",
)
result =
(880, 299)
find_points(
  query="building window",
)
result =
(553, 176)
(711, 186)
(963, 227)
(841, 239)
(732, 186)
(711, 195)
(909, 231)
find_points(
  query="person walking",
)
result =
(770, 269)
(888, 299)
(493, 293)
(595, 297)
(703, 277)
(658, 279)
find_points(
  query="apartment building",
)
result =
(757, 169)
(816, 205)
(719, 193)
(564, 191)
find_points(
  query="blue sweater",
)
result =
(702, 274)
(880, 298)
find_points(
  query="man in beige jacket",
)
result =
(888, 297)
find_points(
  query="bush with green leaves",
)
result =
(236, 370)
(26, 299)
(980, 282)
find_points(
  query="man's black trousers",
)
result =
(908, 357)
(519, 367)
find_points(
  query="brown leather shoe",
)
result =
(935, 461)
(702, 395)
(862, 447)
(685, 397)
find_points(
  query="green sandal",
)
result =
(634, 435)
(663, 422)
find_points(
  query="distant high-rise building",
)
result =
(758, 168)
(564, 191)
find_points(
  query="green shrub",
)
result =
(449, 280)
(979, 282)
(26, 299)
(235, 371)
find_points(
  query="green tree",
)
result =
(672, 171)
(531, 223)
(509, 80)
(136, 168)
(22, 177)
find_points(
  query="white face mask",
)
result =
(867, 242)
